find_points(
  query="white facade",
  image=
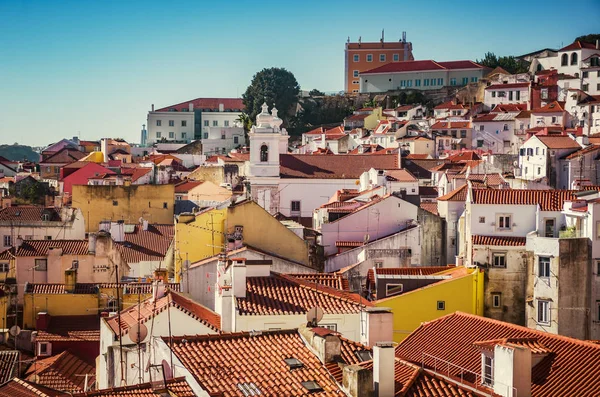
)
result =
(70, 227)
(170, 126)
(537, 161)
(506, 94)
(422, 80)
(221, 140)
(497, 135)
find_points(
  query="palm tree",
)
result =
(246, 122)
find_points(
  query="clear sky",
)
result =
(93, 68)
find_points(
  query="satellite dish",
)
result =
(14, 330)
(138, 333)
(314, 315)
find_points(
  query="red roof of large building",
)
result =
(212, 104)
(41, 248)
(21, 388)
(549, 200)
(280, 294)
(147, 245)
(552, 107)
(333, 166)
(71, 329)
(64, 372)
(424, 65)
(498, 240)
(578, 45)
(507, 86)
(566, 369)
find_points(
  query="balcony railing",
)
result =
(570, 233)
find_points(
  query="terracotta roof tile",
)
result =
(21, 388)
(333, 166)
(430, 207)
(504, 241)
(41, 248)
(564, 372)
(148, 309)
(71, 329)
(282, 294)
(9, 365)
(230, 104)
(405, 271)
(558, 142)
(578, 45)
(332, 280)
(552, 107)
(584, 151)
(177, 387)
(28, 213)
(147, 245)
(400, 175)
(62, 372)
(256, 359)
(459, 194)
(549, 200)
(186, 186)
(441, 125)
(418, 156)
(414, 66)
(64, 156)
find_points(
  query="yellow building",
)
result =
(458, 289)
(154, 203)
(202, 235)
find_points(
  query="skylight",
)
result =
(293, 363)
(249, 389)
(312, 386)
(363, 355)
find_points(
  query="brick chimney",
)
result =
(324, 342)
(383, 369)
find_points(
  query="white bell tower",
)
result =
(267, 142)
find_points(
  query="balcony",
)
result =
(571, 232)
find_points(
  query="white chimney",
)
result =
(19, 242)
(144, 224)
(221, 107)
(104, 148)
(158, 290)
(117, 231)
(224, 299)
(153, 107)
(323, 141)
(598, 44)
(191, 106)
(383, 369)
(512, 370)
(238, 277)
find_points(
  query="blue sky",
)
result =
(94, 67)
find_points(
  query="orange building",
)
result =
(360, 57)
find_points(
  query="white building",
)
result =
(193, 120)
(496, 132)
(420, 75)
(539, 155)
(511, 93)
(221, 140)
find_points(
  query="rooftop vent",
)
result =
(312, 386)
(293, 363)
(363, 355)
(249, 389)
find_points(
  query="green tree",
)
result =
(509, 63)
(275, 86)
(246, 123)
(589, 38)
(316, 92)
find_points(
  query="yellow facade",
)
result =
(204, 235)
(372, 120)
(154, 203)
(463, 293)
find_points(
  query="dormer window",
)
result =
(264, 153)
(487, 372)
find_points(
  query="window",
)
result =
(222, 135)
(165, 205)
(115, 203)
(482, 219)
(597, 230)
(499, 260)
(440, 81)
(369, 57)
(463, 133)
(488, 370)
(585, 75)
(226, 123)
(381, 57)
(496, 299)
(215, 123)
(171, 134)
(510, 95)
(502, 94)
(544, 267)
(441, 305)
(544, 93)
(564, 60)
(597, 267)
(518, 95)
(236, 139)
(355, 82)
(474, 79)
(206, 123)
(183, 135)
(493, 94)
(378, 264)
(4, 267)
(465, 80)
(184, 123)
(41, 265)
(393, 289)
(409, 83)
(537, 151)
(264, 153)
(417, 82)
(453, 81)
(574, 58)
(504, 222)
(205, 135)
(44, 349)
(171, 123)
(543, 315)
(426, 82)
(598, 311)
(7, 240)
(356, 58)
(585, 87)
(158, 123)
(355, 73)
(295, 206)
(396, 57)
(158, 134)
(539, 170)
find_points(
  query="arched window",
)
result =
(264, 153)
(574, 58)
(564, 60)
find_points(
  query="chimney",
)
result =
(18, 242)
(144, 224)
(357, 381)
(512, 370)
(323, 141)
(221, 107)
(383, 369)
(598, 44)
(380, 325)
(158, 290)
(224, 299)
(191, 108)
(238, 277)
(92, 243)
(117, 231)
(153, 107)
(42, 321)
(70, 280)
(324, 342)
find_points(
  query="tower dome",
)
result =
(264, 119)
(276, 122)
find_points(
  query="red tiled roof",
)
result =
(21, 388)
(449, 105)
(418, 156)
(430, 207)
(28, 213)
(558, 142)
(504, 241)
(92, 288)
(459, 194)
(9, 365)
(357, 117)
(348, 350)
(41, 248)
(549, 200)
(348, 243)
(578, 45)
(71, 329)
(280, 294)
(147, 245)
(332, 280)
(231, 104)
(552, 107)
(505, 86)
(62, 372)
(414, 66)
(400, 175)
(64, 156)
(376, 45)
(176, 387)
(333, 166)
(139, 172)
(467, 155)
(451, 124)
(509, 107)
(453, 338)
(584, 151)
(257, 359)
(148, 309)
